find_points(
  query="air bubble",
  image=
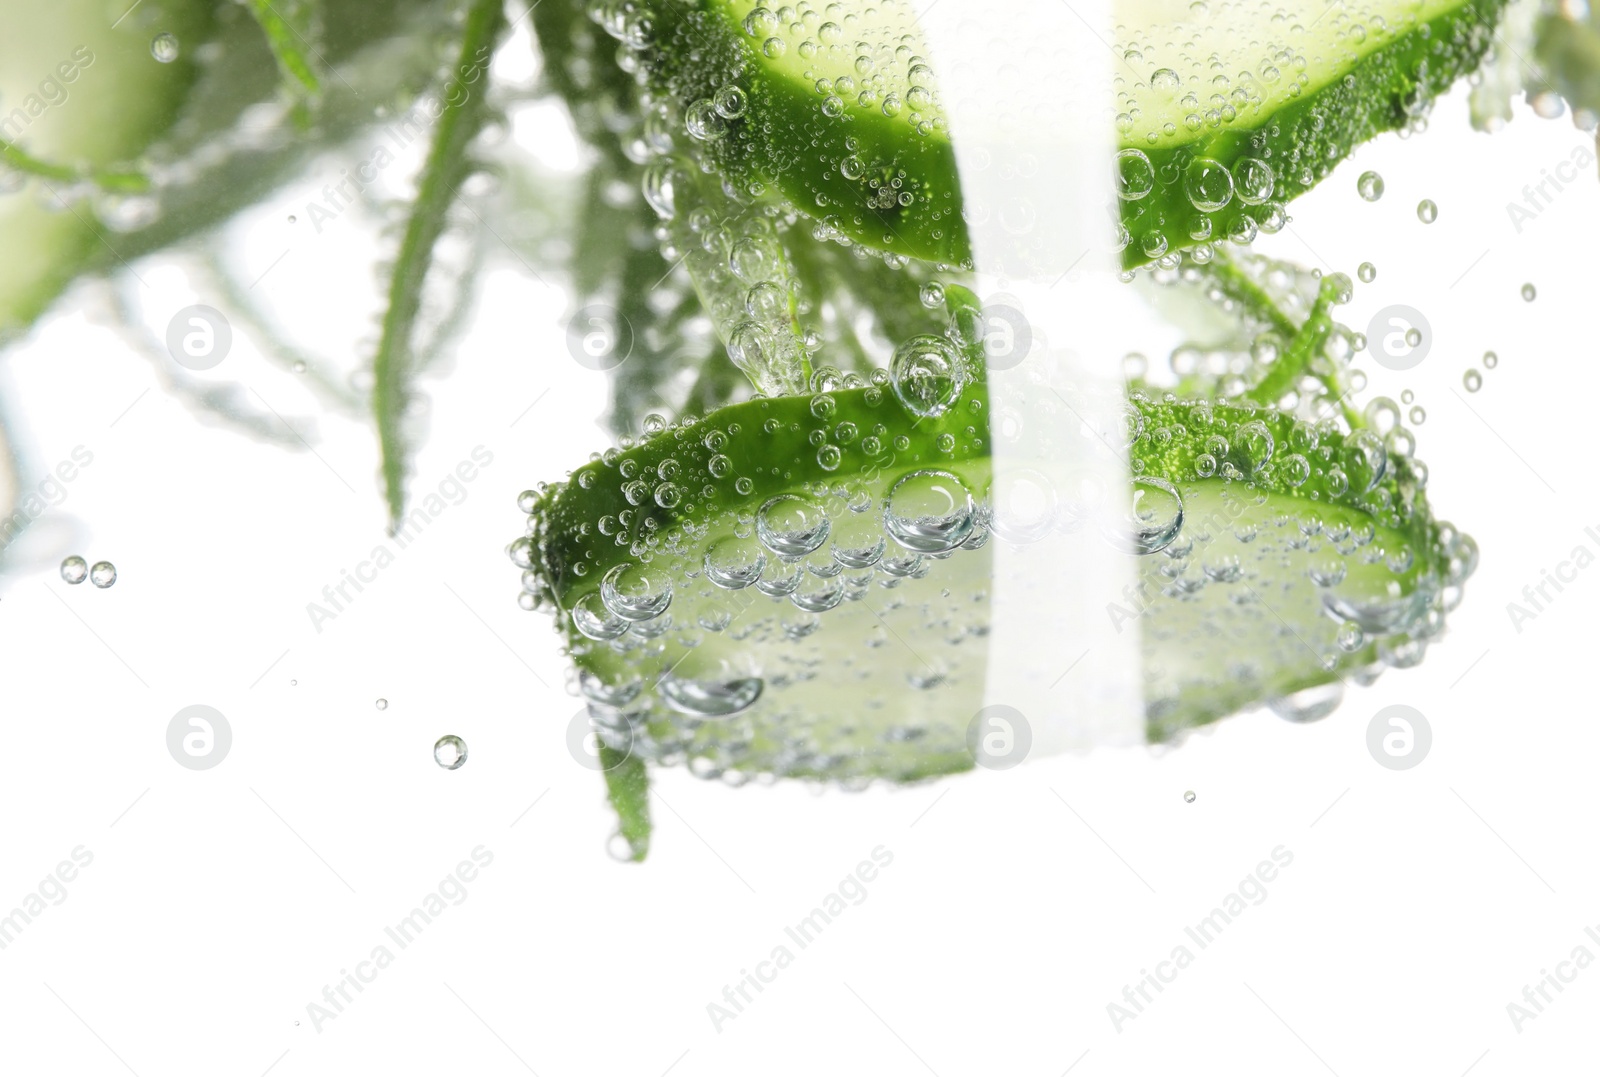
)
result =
(450, 752)
(1255, 180)
(730, 102)
(591, 618)
(1427, 211)
(1370, 186)
(858, 540)
(74, 569)
(734, 563)
(1135, 175)
(710, 698)
(1208, 184)
(1157, 514)
(164, 47)
(930, 511)
(636, 592)
(924, 375)
(791, 525)
(1472, 380)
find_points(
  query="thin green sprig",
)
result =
(464, 114)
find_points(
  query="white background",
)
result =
(1018, 905)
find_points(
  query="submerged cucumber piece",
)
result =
(788, 587)
(1224, 110)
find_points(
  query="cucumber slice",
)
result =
(789, 588)
(1225, 112)
(1228, 111)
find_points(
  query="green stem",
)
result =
(447, 165)
(113, 180)
(628, 788)
(1297, 354)
(1237, 285)
(1302, 342)
(288, 47)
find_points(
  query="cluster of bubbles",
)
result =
(734, 700)
(878, 65)
(75, 570)
(1235, 202)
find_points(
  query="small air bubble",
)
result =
(164, 47)
(450, 752)
(1427, 211)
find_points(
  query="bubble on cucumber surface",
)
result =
(164, 47)
(925, 374)
(930, 511)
